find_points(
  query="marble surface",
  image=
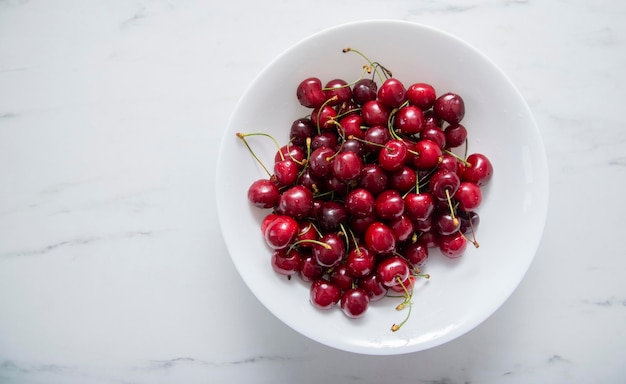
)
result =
(112, 266)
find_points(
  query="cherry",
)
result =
(359, 202)
(375, 138)
(301, 129)
(431, 120)
(419, 206)
(469, 196)
(296, 202)
(323, 117)
(309, 180)
(446, 224)
(403, 179)
(323, 294)
(286, 262)
(329, 251)
(281, 231)
(373, 287)
(434, 134)
(320, 161)
(310, 93)
(364, 90)
(340, 276)
(409, 120)
(421, 95)
(347, 166)
(338, 88)
(373, 178)
(429, 238)
(358, 225)
(309, 269)
(455, 135)
(351, 126)
(393, 155)
(289, 151)
(424, 225)
(479, 169)
(375, 113)
(402, 228)
(352, 145)
(393, 270)
(354, 302)
(360, 262)
(416, 253)
(392, 93)
(449, 163)
(325, 139)
(267, 220)
(469, 221)
(452, 245)
(443, 185)
(263, 193)
(379, 238)
(286, 171)
(450, 107)
(428, 154)
(389, 205)
(330, 215)
(406, 286)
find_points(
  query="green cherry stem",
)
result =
(370, 62)
(243, 138)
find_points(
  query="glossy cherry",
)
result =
(450, 107)
(296, 201)
(281, 232)
(309, 92)
(323, 294)
(263, 193)
(421, 95)
(354, 302)
(393, 270)
(479, 169)
(392, 93)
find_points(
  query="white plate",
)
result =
(461, 293)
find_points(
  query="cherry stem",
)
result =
(321, 243)
(319, 112)
(370, 62)
(407, 300)
(243, 138)
(455, 221)
(473, 239)
(352, 137)
(366, 69)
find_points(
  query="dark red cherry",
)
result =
(309, 269)
(340, 276)
(374, 178)
(290, 151)
(403, 179)
(416, 253)
(286, 171)
(443, 185)
(375, 138)
(455, 135)
(320, 161)
(445, 224)
(330, 215)
(364, 90)
(310, 93)
(306, 232)
(373, 287)
(434, 134)
(301, 129)
(450, 107)
(325, 139)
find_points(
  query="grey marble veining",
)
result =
(112, 267)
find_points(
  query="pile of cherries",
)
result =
(366, 185)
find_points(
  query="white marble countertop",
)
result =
(112, 266)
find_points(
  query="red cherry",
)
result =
(393, 155)
(455, 135)
(309, 269)
(286, 262)
(347, 166)
(389, 205)
(416, 253)
(392, 93)
(373, 287)
(324, 294)
(374, 113)
(421, 95)
(281, 232)
(296, 201)
(450, 107)
(332, 253)
(263, 193)
(364, 90)
(340, 276)
(338, 88)
(409, 120)
(453, 245)
(323, 117)
(286, 172)
(360, 262)
(419, 206)
(393, 270)
(402, 227)
(360, 202)
(428, 154)
(310, 93)
(469, 196)
(479, 170)
(354, 302)
(351, 126)
(380, 238)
